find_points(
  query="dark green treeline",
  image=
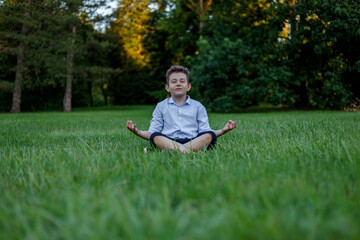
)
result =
(302, 54)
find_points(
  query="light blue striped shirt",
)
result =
(174, 121)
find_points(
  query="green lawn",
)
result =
(82, 175)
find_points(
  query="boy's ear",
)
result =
(189, 87)
(167, 87)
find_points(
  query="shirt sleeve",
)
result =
(157, 122)
(203, 120)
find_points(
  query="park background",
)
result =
(284, 173)
(56, 55)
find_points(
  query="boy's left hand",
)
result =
(230, 125)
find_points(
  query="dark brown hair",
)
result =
(175, 69)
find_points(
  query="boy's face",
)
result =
(178, 84)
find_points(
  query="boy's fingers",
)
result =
(232, 124)
(129, 125)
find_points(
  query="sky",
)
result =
(107, 9)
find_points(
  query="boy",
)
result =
(180, 123)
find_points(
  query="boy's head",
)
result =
(177, 69)
(177, 81)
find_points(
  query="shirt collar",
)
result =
(188, 99)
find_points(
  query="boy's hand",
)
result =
(132, 128)
(143, 134)
(230, 125)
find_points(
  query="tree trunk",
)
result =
(202, 10)
(69, 72)
(16, 101)
(19, 76)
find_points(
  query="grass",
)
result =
(82, 175)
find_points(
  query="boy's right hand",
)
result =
(132, 127)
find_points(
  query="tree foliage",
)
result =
(247, 60)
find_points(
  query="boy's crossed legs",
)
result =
(161, 141)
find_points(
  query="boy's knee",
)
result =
(157, 139)
(154, 138)
(208, 138)
(209, 135)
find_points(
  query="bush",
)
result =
(247, 61)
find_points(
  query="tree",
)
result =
(131, 24)
(18, 13)
(20, 64)
(73, 8)
(236, 65)
(245, 59)
(323, 53)
(79, 13)
(131, 82)
(51, 50)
